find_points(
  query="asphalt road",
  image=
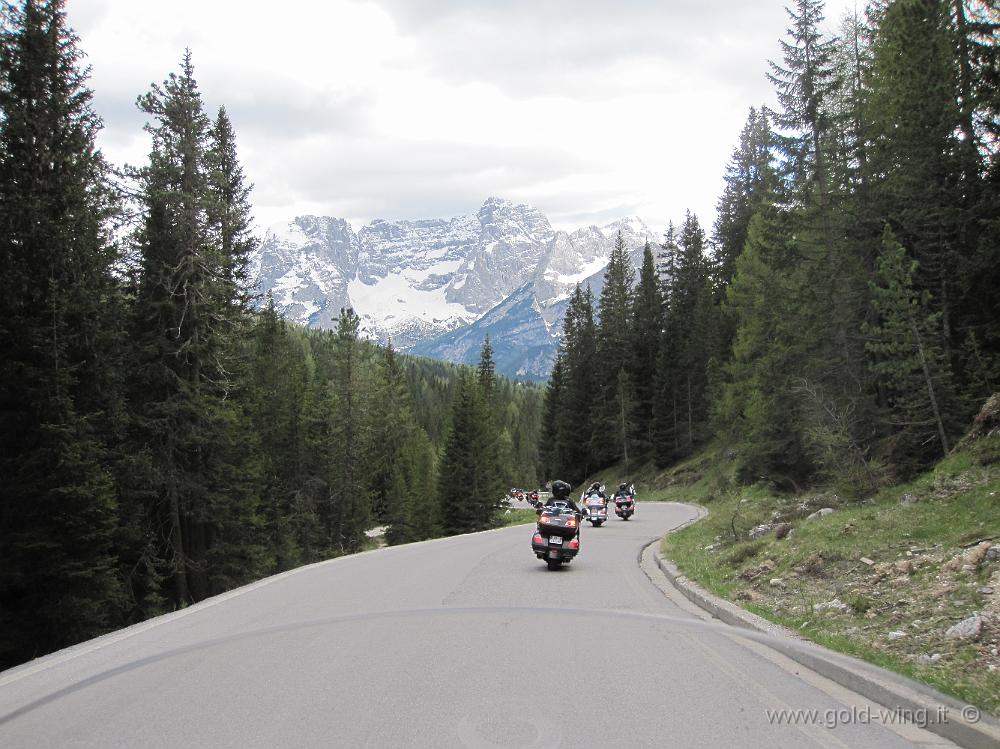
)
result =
(468, 641)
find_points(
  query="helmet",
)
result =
(560, 489)
(623, 486)
(596, 485)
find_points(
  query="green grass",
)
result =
(516, 517)
(957, 504)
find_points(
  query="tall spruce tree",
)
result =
(277, 391)
(804, 83)
(751, 178)
(186, 311)
(833, 294)
(469, 488)
(645, 330)
(500, 452)
(551, 440)
(229, 216)
(59, 311)
(757, 410)
(614, 339)
(911, 358)
(690, 329)
(403, 493)
(350, 440)
(933, 100)
(578, 424)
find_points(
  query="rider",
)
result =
(625, 490)
(560, 493)
(595, 488)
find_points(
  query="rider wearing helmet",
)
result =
(595, 488)
(560, 493)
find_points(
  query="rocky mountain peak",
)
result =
(418, 280)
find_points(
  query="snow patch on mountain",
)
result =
(396, 299)
(438, 286)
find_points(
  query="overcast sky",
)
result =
(589, 110)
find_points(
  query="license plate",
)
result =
(555, 541)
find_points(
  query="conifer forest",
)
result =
(165, 436)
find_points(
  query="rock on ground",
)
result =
(966, 629)
(820, 513)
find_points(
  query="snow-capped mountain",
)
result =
(438, 286)
(525, 328)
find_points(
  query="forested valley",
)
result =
(840, 325)
(164, 435)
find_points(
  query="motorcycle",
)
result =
(557, 535)
(624, 506)
(596, 510)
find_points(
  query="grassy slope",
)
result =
(946, 512)
(916, 585)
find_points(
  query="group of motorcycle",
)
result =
(557, 533)
(532, 497)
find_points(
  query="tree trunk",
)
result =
(177, 544)
(690, 414)
(930, 386)
(621, 403)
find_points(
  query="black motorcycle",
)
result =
(557, 535)
(624, 506)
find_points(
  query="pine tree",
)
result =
(59, 306)
(577, 423)
(829, 257)
(187, 308)
(277, 392)
(499, 455)
(229, 215)
(614, 338)
(690, 329)
(487, 377)
(468, 486)
(350, 434)
(401, 463)
(551, 440)
(804, 85)
(912, 360)
(757, 410)
(416, 482)
(751, 178)
(646, 327)
(931, 106)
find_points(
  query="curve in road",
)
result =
(467, 641)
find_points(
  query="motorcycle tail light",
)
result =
(571, 523)
(545, 519)
(573, 544)
(537, 538)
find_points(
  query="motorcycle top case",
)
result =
(556, 525)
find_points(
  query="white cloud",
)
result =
(393, 109)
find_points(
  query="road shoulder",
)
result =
(961, 725)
